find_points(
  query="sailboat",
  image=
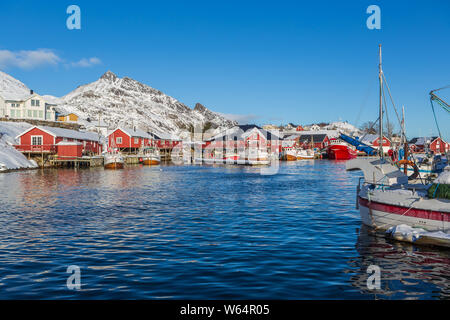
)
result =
(387, 198)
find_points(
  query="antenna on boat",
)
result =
(380, 76)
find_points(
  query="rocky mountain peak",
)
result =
(109, 76)
(200, 108)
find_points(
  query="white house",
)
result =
(26, 106)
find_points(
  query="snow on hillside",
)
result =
(344, 127)
(127, 102)
(12, 88)
(10, 158)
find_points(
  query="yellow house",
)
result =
(69, 117)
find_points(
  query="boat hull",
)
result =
(289, 157)
(340, 152)
(383, 216)
(114, 165)
(151, 162)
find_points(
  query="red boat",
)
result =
(339, 150)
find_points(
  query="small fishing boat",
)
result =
(340, 150)
(305, 154)
(151, 156)
(113, 160)
(289, 154)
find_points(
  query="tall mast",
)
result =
(380, 76)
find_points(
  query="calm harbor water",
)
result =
(202, 232)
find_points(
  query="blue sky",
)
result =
(271, 62)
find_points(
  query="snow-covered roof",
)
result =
(369, 138)
(65, 133)
(68, 143)
(10, 96)
(421, 141)
(294, 135)
(135, 132)
(167, 136)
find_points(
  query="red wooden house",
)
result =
(54, 140)
(439, 146)
(309, 140)
(373, 140)
(128, 140)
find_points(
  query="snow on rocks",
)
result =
(10, 158)
(127, 102)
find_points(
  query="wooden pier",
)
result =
(95, 161)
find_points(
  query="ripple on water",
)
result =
(201, 232)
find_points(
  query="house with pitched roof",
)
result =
(29, 106)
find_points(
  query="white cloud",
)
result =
(28, 59)
(241, 118)
(86, 62)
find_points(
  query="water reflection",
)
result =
(201, 232)
(407, 271)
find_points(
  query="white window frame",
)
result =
(118, 140)
(136, 140)
(41, 137)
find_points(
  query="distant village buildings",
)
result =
(435, 144)
(242, 137)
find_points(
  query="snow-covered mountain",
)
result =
(127, 102)
(12, 88)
